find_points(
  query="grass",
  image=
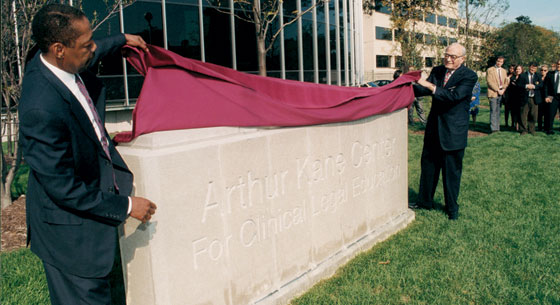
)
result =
(504, 249)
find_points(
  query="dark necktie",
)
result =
(104, 141)
(556, 82)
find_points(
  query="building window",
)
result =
(442, 20)
(430, 62)
(452, 23)
(452, 40)
(383, 33)
(383, 61)
(430, 18)
(380, 8)
(443, 40)
(399, 62)
(430, 39)
(419, 37)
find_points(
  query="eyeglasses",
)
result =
(452, 57)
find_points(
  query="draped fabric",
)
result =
(181, 93)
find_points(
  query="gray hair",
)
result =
(458, 45)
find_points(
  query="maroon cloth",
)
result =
(181, 93)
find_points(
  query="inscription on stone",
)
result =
(250, 190)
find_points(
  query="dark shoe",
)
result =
(453, 216)
(417, 206)
(550, 132)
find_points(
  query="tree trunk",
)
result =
(261, 48)
(261, 36)
(7, 184)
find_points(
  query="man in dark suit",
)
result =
(532, 82)
(78, 183)
(552, 98)
(445, 139)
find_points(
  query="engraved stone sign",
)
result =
(258, 215)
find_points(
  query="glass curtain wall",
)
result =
(324, 46)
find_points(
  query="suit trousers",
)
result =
(67, 289)
(419, 110)
(551, 109)
(495, 110)
(529, 113)
(450, 163)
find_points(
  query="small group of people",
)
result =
(530, 98)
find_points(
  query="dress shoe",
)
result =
(417, 206)
(453, 216)
(550, 132)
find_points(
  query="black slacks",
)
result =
(551, 109)
(450, 163)
(67, 289)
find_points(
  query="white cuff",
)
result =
(129, 206)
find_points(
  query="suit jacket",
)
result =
(448, 120)
(549, 85)
(524, 81)
(494, 82)
(73, 208)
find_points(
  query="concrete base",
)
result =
(258, 215)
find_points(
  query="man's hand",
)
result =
(142, 209)
(548, 99)
(501, 91)
(426, 84)
(136, 41)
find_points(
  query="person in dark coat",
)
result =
(445, 139)
(79, 186)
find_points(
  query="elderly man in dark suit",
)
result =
(78, 183)
(552, 98)
(532, 82)
(445, 139)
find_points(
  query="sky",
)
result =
(545, 13)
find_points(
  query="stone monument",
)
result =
(258, 215)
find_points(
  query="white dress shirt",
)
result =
(69, 80)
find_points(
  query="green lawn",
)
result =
(504, 249)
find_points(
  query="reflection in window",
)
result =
(183, 37)
(430, 18)
(430, 39)
(383, 33)
(442, 20)
(217, 39)
(452, 23)
(379, 7)
(430, 62)
(383, 61)
(399, 62)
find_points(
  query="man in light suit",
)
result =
(78, 183)
(445, 139)
(496, 76)
(552, 98)
(532, 82)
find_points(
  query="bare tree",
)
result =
(476, 16)
(264, 14)
(405, 18)
(16, 45)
